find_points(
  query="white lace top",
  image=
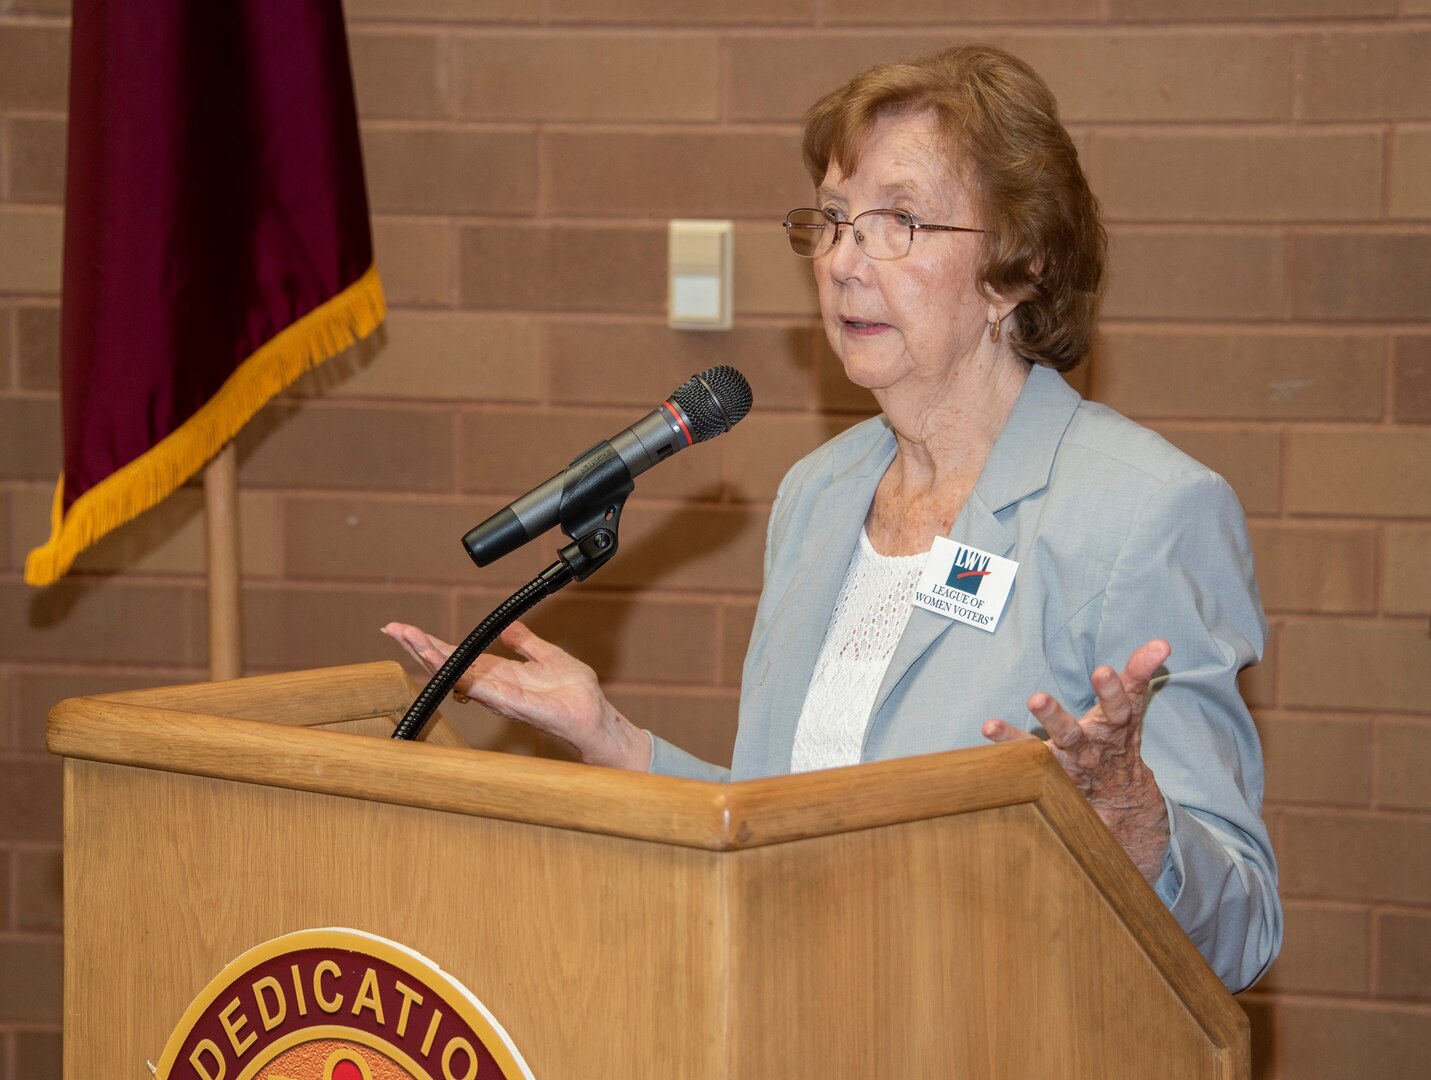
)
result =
(867, 622)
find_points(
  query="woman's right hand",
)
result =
(548, 688)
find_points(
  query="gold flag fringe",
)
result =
(150, 478)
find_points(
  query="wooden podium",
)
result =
(957, 915)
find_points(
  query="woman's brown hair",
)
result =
(1044, 244)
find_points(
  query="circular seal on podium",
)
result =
(337, 1004)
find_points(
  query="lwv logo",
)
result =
(969, 570)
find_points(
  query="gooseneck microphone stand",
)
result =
(591, 519)
(586, 500)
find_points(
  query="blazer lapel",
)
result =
(798, 625)
(1019, 465)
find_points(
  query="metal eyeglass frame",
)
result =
(914, 226)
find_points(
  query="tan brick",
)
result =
(1317, 760)
(1411, 378)
(688, 547)
(1336, 1041)
(1355, 856)
(1127, 76)
(41, 7)
(1366, 75)
(778, 78)
(662, 175)
(39, 889)
(1403, 763)
(364, 539)
(30, 247)
(413, 170)
(398, 75)
(1235, 177)
(934, 11)
(1406, 573)
(1194, 275)
(99, 620)
(638, 365)
(35, 163)
(31, 790)
(443, 356)
(563, 268)
(445, 10)
(588, 77)
(7, 547)
(1250, 459)
(36, 692)
(624, 637)
(1181, 10)
(167, 539)
(1262, 1019)
(702, 724)
(770, 279)
(35, 995)
(30, 441)
(1310, 568)
(1411, 174)
(34, 67)
(763, 449)
(312, 446)
(37, 341)
(1359, 472)
(736, 622)
(1325, 950)
(37, 1053)
(414, 259)
(510, 451)
(680, 11)
(1276, 376)
(1403, 949)
(1327, 664)
(290, 629)
(1130, 75)
(8, 335)
(1258, 684)
(1360, 276)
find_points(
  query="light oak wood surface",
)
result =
(960, 914)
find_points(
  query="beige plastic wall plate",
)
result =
(699, 274)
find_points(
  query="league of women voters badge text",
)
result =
(963, 583)
(337, 1004)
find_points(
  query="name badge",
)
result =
(965, 584)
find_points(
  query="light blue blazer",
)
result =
(1119, 538)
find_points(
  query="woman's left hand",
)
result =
(1102, 752)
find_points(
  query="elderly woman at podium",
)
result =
(991, 557)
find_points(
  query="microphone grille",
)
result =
(715, 400)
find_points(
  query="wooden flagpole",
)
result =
(222, 527)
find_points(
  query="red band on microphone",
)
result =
(675, 412)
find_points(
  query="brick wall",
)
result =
(1266, 170)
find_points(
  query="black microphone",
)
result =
(700, 408)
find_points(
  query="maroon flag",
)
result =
(217, 241)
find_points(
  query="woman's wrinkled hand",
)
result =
(548, 688)
(1102, 753)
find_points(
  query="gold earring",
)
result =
(994, 327)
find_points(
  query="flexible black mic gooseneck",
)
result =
(585, 499)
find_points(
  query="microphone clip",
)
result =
(590, 513)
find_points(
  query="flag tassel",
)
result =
(147, 480)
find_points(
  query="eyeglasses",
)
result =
(881, 234)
